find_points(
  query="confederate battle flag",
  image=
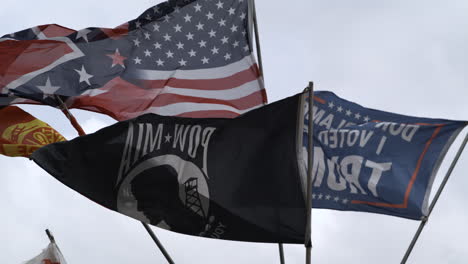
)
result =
(180, 58)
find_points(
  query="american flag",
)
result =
(188, 58)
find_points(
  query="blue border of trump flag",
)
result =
(370, 160)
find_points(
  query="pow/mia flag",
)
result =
(235, 179)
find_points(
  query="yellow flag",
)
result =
(21, 133)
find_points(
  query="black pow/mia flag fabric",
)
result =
(234, 179)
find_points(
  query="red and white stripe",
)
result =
(226, 91)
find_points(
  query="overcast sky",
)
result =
(408, 57)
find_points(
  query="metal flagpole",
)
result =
(257, 39)
(81, 132)
(160, 246)
(281, 251)
(434, 201)
(50, 236)
(308, 234)
(52, 241)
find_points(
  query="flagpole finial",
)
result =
(51, 237)
(309, 87)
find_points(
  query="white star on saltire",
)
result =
(168, 138)
(83, 34)
(48, 89)
(84, 76)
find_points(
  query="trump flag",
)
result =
(373, 161)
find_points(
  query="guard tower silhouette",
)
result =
(192, 197)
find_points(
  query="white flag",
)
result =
(50, 255)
